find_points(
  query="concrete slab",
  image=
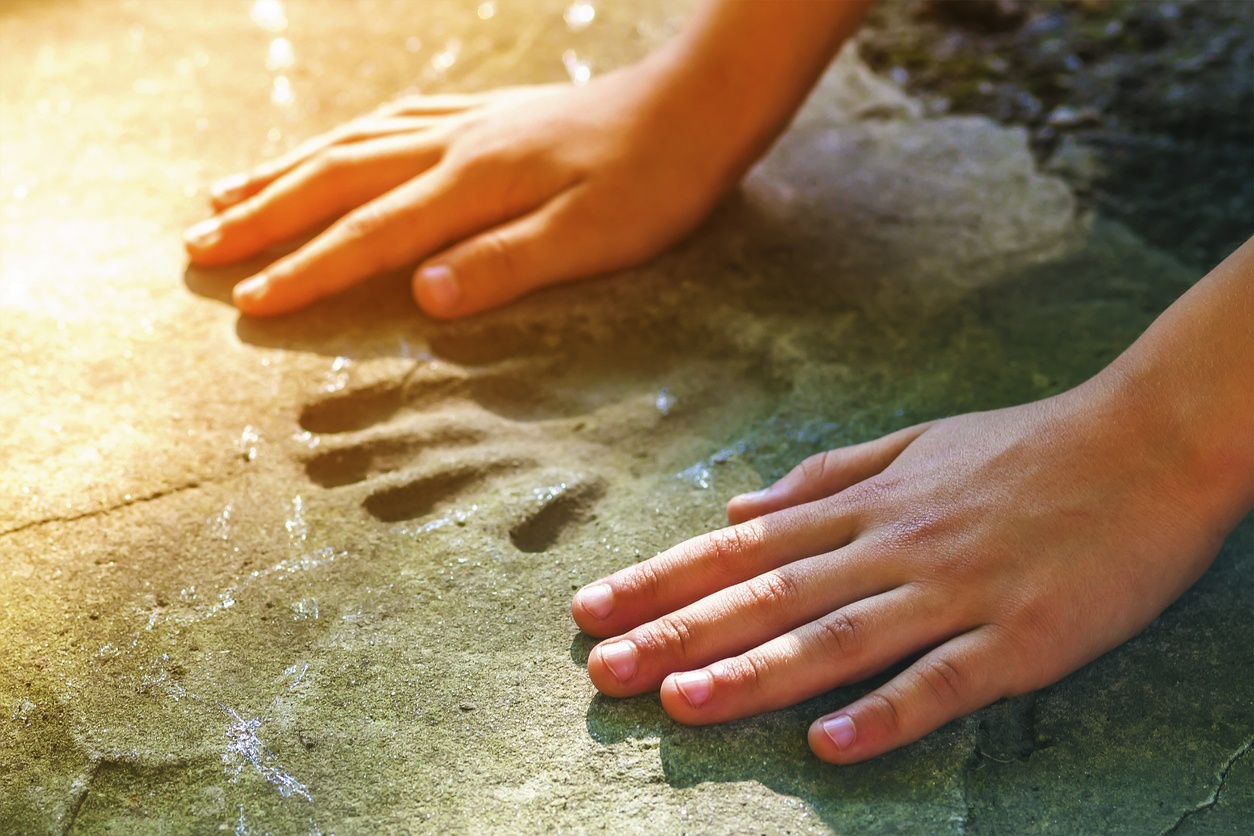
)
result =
(312, 575)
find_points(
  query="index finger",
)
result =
(411, 221)
(703, 565)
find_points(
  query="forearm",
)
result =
(1189, 382)
(747, 65)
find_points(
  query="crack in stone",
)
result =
(1220, 777)
(164, 492)
(80, 788)
(967, 822)
(1007, 731)
(1005, 734)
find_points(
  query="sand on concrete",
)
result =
(312, 575)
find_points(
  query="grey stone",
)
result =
(251, 572)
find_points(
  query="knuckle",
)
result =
(770, 590)
(943, 679)
(671, 633)
(883, 707)
(877, 489)
(841, 634)
(1033, 619)
(1031, 669)
(646, 581)
(747, 672)
(498, 256)
(353, 131)
(332, 165)
(940, 536)
(250, 216)
(817, 467)
(730, 548)
(363, 223)
(474, 160)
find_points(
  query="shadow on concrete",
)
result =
(771, 750)
(378, 316)
(1092, 745)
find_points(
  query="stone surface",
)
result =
(312, 575)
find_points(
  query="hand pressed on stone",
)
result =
(1003, 549)
(500, 193)
(497, 194)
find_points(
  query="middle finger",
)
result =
(737, 618)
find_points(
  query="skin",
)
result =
(1004, 549)
(500, 193)
(999, 550)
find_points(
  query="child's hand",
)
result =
(497, 194)
(1008, 548)
(501, 193)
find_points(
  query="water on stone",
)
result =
(252, 573)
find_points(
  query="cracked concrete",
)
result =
(127, 501)
(1186, 822)
(338, 548)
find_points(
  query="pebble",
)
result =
(1065, 116)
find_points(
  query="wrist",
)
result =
(1183, 393)
(739, 71)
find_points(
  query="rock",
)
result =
(1064, 117)
(1075, 162)
(287, 645)
(984, 15)
(932, 177)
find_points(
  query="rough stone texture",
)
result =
(312, 575)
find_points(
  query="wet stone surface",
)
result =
(1145, 107)
(312, 575)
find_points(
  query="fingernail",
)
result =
(695, 686)
(441, 286)
(254, 287)
(597, 601)
(620, 658)
(204, 234)
(841, 730)
(229, 189)
(753, 496)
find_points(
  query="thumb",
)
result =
(501, 264)
(823, 475)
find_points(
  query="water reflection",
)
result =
(281, 55)
(579, 15)
(443, 60)
(281, 92)
(269, 15)
(579, 69)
